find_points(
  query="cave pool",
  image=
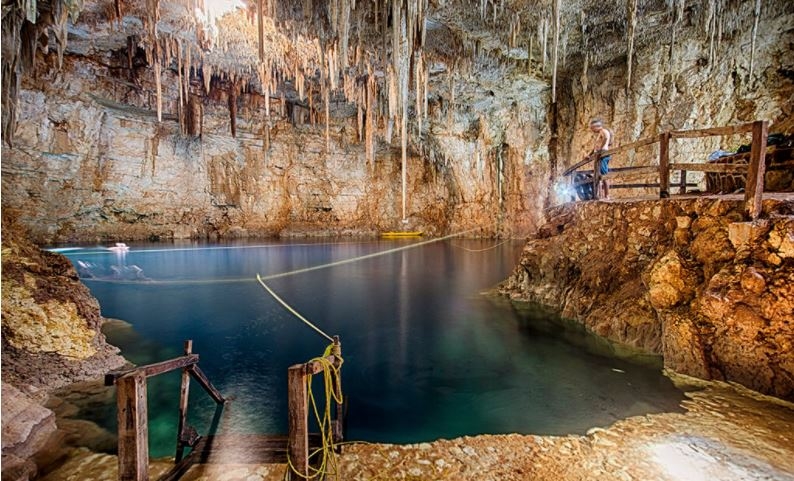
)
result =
(427, 353)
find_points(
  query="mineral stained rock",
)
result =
(685, 278)
(51, 323)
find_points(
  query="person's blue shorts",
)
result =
(604, 166)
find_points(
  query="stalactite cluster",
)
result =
(26, 26)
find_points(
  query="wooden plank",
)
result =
(711, 131)
(133, 451)
(201, 378)
(650, 185)
(150, 370)
(297, 409)
(575, 166)
(732, 168)
(754, 190)
(596, 176)
(682, 183)
(338, 432)
(664, 165)
(616, 150)
(631, 146)
(184, 391)
(631, 171)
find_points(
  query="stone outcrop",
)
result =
(684, 278)
(27, 427)
(51, 338)
(51, 323)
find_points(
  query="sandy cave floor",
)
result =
(725, 433)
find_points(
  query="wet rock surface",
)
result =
(686, 278)
(51, 323)
(51, 338)
(725, 433)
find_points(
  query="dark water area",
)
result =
(427, 354)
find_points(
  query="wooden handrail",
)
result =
(755, 170)
(712, 131)
(630, 146)
(730, 168)
(155, 369)
(131, 393)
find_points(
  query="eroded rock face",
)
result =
(684, 278)
(698, 82)
(27, 426)
(90, 162)
(51, 322)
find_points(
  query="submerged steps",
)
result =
(237, 449)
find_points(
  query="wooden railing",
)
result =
(755, 170)
(298, 407)
(133, 450)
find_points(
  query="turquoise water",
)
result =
(427, 356)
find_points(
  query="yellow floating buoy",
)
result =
(401, 234)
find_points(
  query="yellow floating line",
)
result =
(401, 234)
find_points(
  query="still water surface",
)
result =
(427, 355)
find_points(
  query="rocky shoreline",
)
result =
(686, 278)
(51, 339)
(725, 432)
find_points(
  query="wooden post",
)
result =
(596, 175)
(297, 406)
(338, 427)
(754, 190)
(183, 398)
(664, 165)
(682, 182)
(133, 430)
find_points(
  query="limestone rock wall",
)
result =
(90, 162)
(685, 278)
(685, 88)
(50, 322)
(51, 338)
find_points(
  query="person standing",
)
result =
(601, 143)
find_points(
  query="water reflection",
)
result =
(426, 355)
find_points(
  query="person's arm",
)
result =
(605, 136)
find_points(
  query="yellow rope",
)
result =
(282, 274)
(333, 392)
(290, 309)
(481, 250)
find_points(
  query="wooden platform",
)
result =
(237, 449)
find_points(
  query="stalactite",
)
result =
(327, 101)
(369, 122)
(206, 75)
(418, 90)
(233, 107)
(158, 84)
(631, 7)
(756, 16)
(529, 56)
(556, 45)
(712, 28)
(344, 32)
(544, 38)
(181, 107)
(260, 21)
(678, 13)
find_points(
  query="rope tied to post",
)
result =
(331, 363)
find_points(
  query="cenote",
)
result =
(427, 353)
